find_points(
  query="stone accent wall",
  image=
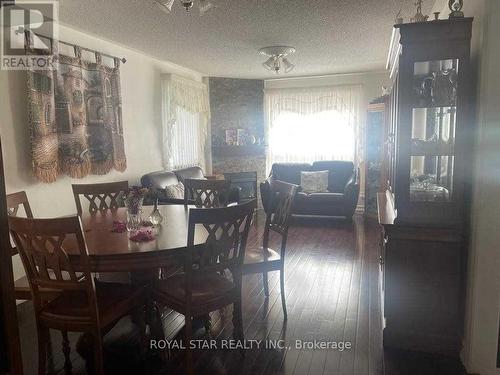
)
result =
(242, 164)
(237, 104)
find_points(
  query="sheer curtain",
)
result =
(187, 142)
(310, 124)
(185, 115)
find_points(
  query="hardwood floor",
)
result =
(332, 296)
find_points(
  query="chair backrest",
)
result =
(15, 200)
(282, 199)
(101, 197)
(41, 244)
(207, 193)
(224, 248)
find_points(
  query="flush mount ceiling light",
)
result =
(203, 5)
(277, 61)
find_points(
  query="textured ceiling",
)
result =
(331, 36)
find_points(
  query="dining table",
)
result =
(111, 251)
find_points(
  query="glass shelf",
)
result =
(435, 83)
(432, 144)
(431, 148)
(431, 178)
(433, 125)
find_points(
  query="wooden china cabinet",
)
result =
(424, 212)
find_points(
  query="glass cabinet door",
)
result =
(433, 130)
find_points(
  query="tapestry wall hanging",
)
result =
(75, 118)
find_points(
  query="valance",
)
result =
(342, 98)
(191, 96)
(314, 123)
(187, 94)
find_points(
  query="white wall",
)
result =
(371, 85)
(140, 83)
(483, 282)
(480, 350)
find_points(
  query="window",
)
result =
(185, 114)
(306, 138)
(311, 124)
(187, 150)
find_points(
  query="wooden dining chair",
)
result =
(14, 202)
(204, 285)
(80, 306)
(99, 196)
(206, 193)
(265, 259)
(22, 289)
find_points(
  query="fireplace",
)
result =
(246, 181)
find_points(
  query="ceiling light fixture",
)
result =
(203, 5)
(277, 61)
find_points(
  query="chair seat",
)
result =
(257, 255)
(114, 300)
(206, 290)
(23, 292)
(326, 198)
(255, 262)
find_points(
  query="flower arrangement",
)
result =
(119, 227)
(133, 198)
(142, 235)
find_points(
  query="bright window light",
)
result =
(306, 138)
(186, 146)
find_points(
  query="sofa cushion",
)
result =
(191, 172)
(289, 172)
(320, 198)
(174, 191)
(159, 179)
(339, 173)
(314, 182)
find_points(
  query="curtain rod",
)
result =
(28, 37)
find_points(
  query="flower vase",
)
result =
(155, 218)
(133, 222)
(134, 209)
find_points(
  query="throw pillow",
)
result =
(175, 191)
(314, 182)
